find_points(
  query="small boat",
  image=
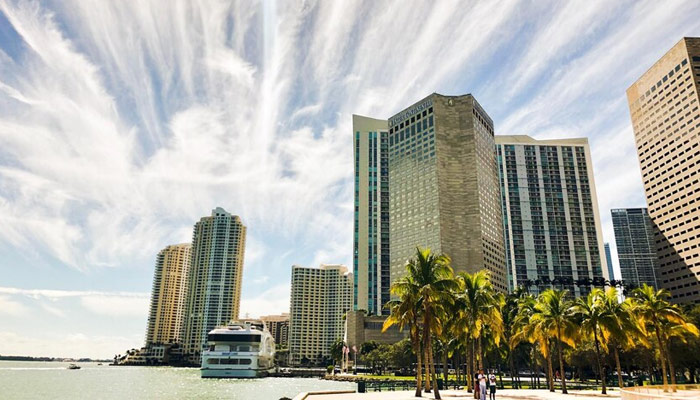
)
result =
(99, 363)
(243, 349)
(73, 366)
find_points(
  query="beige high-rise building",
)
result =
(216, 271)
(168, 295)
(278, 325)
(443, 186)
(666, 120)
(320, 298)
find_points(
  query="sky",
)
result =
(123, 123)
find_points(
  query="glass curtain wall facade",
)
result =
(608, 260)
(636, 248)
(371, 268)
(551, 225)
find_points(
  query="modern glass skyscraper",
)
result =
(443, 185)
(636, 250)
(551, 221)
(168, 295)
(371, 222)
(216, 271)
(320, 299)
(666, 120)
(608, 260)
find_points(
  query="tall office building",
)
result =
(168, 295)
(320, 298)
(608, 260)
(443, 185)
(371, 235)
(214, 289)
(278, 325)
(551, 219)
(666, 120)
(636, 247)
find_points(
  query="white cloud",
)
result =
(272, 301)
(11, 307)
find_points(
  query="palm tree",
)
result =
(553, 315)
(655, 313)
(592, 314)
(481, 306)
(625, 332)
(406, 312)
(671, 330)
(433, 276)
(529, 329)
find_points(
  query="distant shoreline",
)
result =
(51, 359)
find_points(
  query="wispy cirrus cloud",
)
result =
(121, 124)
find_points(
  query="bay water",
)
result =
(52, 380)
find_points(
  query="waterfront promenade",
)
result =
(506, 394)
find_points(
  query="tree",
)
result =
(529, 329)
(592, 314)
(337, 351)
(656, 314)
(554, 317)
(433, 276)
(624, 330)
(406, 312)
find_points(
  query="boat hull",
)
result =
(233, 373)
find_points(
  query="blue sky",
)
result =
(123, 123)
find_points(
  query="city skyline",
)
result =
(115, 174)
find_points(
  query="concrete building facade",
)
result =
(636, 246)
(371, 268)
(361, 328)
(443, 186)
(552, 224)
(320, 298)
(168, 295)
(216, 271)
(278, 325)
(663, 105)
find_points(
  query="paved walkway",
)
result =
(506, 394)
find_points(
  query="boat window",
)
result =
(216, 337)
(222, 347)
(246, 361)
(211, 348)
(231, 361)
(213, 361)
(243, 348)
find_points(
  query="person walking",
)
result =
(492, 386)
(476, 386)
(482, 384)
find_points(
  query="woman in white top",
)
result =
(492, 386)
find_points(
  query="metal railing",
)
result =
(660, 392)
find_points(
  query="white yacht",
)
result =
(243, 349)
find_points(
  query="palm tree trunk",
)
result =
(671, 368)
(481, 353)
(561, 362)
(444, 363)
(467, 369)
(419, 374)
(474, 371)
(550, 377)
(597, 356)
(426, 359)
(513, 378)
(617, 365)
(434, 375)
(662, 356)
